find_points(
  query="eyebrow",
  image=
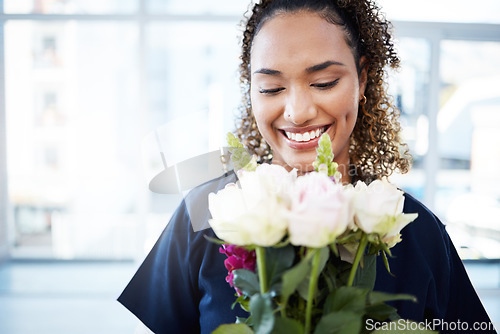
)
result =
(322, 66)
(267, 71)
(312, 69)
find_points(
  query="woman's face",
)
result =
(304, 82)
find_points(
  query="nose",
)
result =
(300, 107)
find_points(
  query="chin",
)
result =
(303, 167)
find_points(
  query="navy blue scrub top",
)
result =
(181, 288)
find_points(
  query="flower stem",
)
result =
(312, 288)
(261, 266)
(359, 254)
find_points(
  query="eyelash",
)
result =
(323, 86)
(270, 91)
(326, 85)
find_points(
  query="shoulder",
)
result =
(427, 223)
(213, 185)
(189, 222)
(165, 291)
(425, 240)
(425, 245)
(420, 265)
(414, 205)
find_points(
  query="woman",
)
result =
(308, 67)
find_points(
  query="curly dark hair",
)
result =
(376, 149)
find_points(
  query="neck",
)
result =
(344, 170)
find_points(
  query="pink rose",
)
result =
(320, 211)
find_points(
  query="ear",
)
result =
(363, 75)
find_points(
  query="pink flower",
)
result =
(320, 211)
(237, 258)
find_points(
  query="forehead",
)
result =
(297, 38)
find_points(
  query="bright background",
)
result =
(91, 92)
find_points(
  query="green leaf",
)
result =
(232, 141)
(293, 277)
(386, 263)
(287, 326)
(278, 260)
(339, 323)
(381, 312)
(262, 313)
(233, 329)
(246, 281)
(214, 240)
(385, 248)
(333, 248)
(378, 310)
(330, 276)
(240, 158)
(324, 256)
(243, 301)
(365, 276)
(377, 297)
(240, 320)
(303, 287)
(346, 299)
(400, 327)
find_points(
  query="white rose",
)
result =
(223, 220)
(268, 180)
(379, 209)
(320, 211)
(256, 212)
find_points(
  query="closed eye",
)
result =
(271, 91)
(325, 85)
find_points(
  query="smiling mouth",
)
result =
(305, 136)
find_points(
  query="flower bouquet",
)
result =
(301, 250)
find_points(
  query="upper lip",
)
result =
(304, 129)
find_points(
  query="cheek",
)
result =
(256, 110)
(352, 119)
(347, 105)
(265, 112)
(342, 108)
(263, 124)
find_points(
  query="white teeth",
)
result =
(306, 136)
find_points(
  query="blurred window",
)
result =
(96, 89)
(70, 6)
(197, 7)
(468, 123)
(410, 88)
(72, 136)
(454, 140)
(458, 11)
(85, 97)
